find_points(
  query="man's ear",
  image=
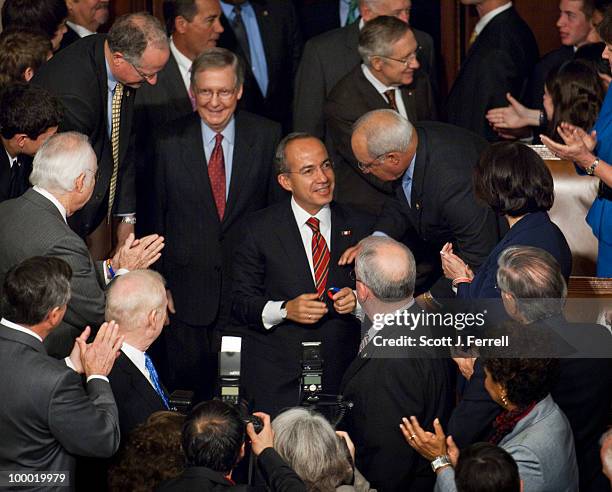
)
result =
(363, 291)
(21, 139)
(79, 182)
(28, 73)
(284, 181)
(55, 315)
(180, 24)
(376, 63)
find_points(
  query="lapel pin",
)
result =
(346, 233)
(265, 12)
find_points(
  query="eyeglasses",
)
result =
(310, 171)
(223, 94)
(404, 61)
(353, 277)
(146, 76)
(365, 167)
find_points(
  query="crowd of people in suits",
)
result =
(162, 187)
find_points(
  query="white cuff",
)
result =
(69, 363)
(271, 314)
(97, 376)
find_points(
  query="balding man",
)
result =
(64, 178)
(385, 386)
(95, 80)
(430, 166)
(137, 302)
(329, 57)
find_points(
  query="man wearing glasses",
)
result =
(212, 168)
(95, 80)
(288, 287)
(388, 77)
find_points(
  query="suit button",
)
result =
(417, 206)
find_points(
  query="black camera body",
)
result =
(311, 381)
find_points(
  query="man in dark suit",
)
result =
(212, 168)
(137, 302)
(91, 77)
(501, 57)
(386, 384)
(266, 35)
(84, 19)
(30, 115)
(43, 430)
(575, 29)
(287, 261)
(193, 26)
(530, 281)
(35, 224)
(329, 57)
(430, 165)
(389, 77)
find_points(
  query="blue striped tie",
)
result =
(155, 380)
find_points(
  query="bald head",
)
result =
(386, 267)
(381, 131)
(134, 298)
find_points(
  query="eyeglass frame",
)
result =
(404, 61)
(302, 172)
(224, 97)
(145, 76)
(377, 161)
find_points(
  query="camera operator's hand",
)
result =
(307, 309)
(348, 441)
(344, 301)
(99, 356)
(265, 438)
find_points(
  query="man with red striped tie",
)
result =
(288, 287)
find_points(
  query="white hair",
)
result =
(385, 131)
(61, 160)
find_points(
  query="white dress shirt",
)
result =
(184, 64)
(138, 359)
(80, 30)
(12, 160)
(227, 144)
(382, 88)
(52, 199)
(271, 314)
(485, 19)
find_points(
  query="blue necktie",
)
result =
(155, 380)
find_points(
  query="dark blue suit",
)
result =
(535, 229)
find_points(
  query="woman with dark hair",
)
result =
(531, 428)
(484, 467)
(46, 16)
(514, 181)
(592, 152)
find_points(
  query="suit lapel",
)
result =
(409, 102)
(341, 238)
(139, 383)
(241, 168)
(290, 240)
(194, 159)
(173, 81)
(420, 168)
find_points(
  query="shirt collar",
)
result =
(228, 9)
(410, 171)
(111, 81)
(20, 328)
(135, 355)
(485, 19)
(80, 30)
(378, 85)
(182, 61)
(301, 216)
(12, 160)
(52, 199)
(228, 132)
(361, 23)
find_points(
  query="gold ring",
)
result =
(412, 437)
(309, 316)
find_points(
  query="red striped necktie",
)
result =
(320, 256)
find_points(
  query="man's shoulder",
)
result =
(330, 40)
(256, 123)
(82, 55)
(348, 85)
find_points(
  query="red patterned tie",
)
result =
(216, 174)
(320, 256)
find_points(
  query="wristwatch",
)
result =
(591, 170)
(129, 219)
(440, 461)
(283, 310)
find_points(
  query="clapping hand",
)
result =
(427, 444)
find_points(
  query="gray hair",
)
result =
(533, 277)
(61, 160)
(178, 8)
(132, 296)
(307, 441)
(385, 131)
(387, 284)
(280, 156)
(131, 34)
(214, 58)
(378, 37)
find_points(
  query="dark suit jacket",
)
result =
(69, 37)
(77, 75)
(5, 175)
(199, 248)
(326, 59)
(154, 106)
(383, 390)
(45, 428)
(282, 43)
(352, 97)
(552, 60)
(535, 229)
(499, 61)
(581, 391)
(317, 16)
(443, 207)
(136, 398)
(31, 226)
(271, 264)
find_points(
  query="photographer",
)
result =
(213, 441)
